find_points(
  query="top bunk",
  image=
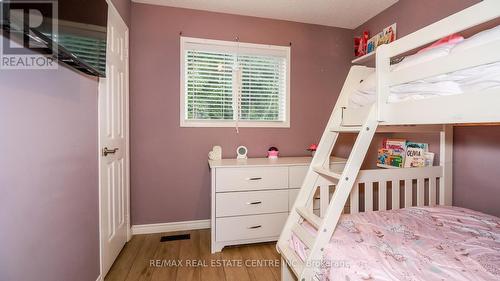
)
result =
(453, 81)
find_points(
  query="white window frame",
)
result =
(188, 43)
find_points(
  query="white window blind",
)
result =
(209, 86)
(262, 88)
(234, 84)
(91, 50)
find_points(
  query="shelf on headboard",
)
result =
(387, 166)
(363, 59)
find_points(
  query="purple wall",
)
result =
(48, 176)
(476, 165)
(49, 212)
(411, 15)
(476, 149)
(170, 175)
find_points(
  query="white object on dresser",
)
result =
(251, 198)
(215, 153)
(242, 151)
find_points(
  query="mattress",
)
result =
(418, 243)
(470, 80)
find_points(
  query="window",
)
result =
(91, 50)
(226, 84)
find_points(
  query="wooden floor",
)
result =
(194, 260)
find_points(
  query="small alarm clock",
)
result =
(242, 152)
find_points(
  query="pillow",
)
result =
(480, 38)
(451, 39)
(364, 93)
(369, 84)
(358, 99)
(426, 56)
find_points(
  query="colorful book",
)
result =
(395, 152)
(396, 161)
(395, 144)
(423, 146)
(414, 157)
(407, 154)
(384, 156)
(391, 157)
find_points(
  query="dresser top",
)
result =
(262, 162)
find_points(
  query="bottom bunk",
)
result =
(397, 225)
(417, 243)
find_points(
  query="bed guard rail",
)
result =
(384, 189)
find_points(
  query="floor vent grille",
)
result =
(175, 237)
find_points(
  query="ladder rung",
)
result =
(293, 260)
(304, 235)
(342, 129)
(326, 172)
(309, 216)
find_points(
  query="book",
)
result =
(388, 35)
(396, 161)
(391, 157)
(395, 144)
(371, 45)
(429, 159)
(392, 153)
(383, 156)
(414, 157)
(423, 146)
(405, 154)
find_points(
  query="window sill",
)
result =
(232, 124)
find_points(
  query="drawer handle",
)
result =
(255, 227)
(254, 203)
(254, 179)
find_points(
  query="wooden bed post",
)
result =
(446, 161)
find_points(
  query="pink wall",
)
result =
(476, 149)
(170, 175)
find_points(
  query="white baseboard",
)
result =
(99, 278)
(169, 227)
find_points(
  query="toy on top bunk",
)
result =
(401, 153)
(364, 45)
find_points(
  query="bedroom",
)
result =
(50, 172)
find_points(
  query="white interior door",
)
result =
(113, 141)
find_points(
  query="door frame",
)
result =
(127, 143)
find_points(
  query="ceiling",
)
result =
(339, 13)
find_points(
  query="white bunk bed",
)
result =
(306, 242)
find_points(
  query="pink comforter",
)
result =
(442, 243)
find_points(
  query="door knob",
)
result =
(106, 151)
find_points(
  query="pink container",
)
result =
(272, 154)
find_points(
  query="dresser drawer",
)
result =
(256, 178)
(250, 227)
(297, 175)
(251, 203)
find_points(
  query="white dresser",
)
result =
(251, 198)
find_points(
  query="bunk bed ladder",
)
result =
(344, 181)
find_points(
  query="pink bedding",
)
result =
(419, 243)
